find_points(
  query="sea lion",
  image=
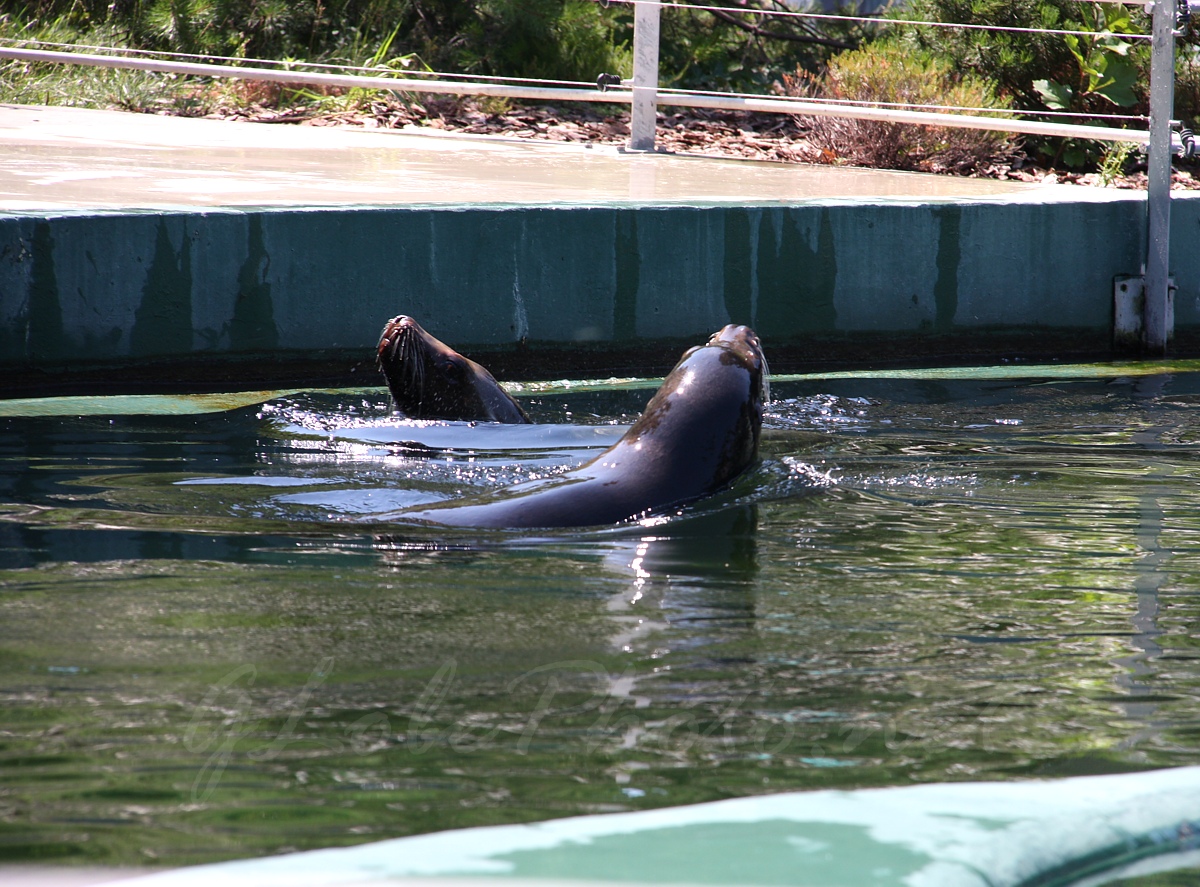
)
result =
(696, 435)
(430, 380)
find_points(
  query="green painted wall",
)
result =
(95, 287)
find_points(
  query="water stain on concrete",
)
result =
(738, 266)
(796, 280)
(628, 275)
(44, 322)
(949, 254)
(163, 321)
(253, 322)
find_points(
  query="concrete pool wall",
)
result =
(250, 295)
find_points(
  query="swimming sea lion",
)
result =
(430, 380)
(696, 435)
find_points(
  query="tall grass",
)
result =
(553, 39)
(48, 84)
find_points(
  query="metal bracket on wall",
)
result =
(1129, 299)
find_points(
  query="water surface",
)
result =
(211, 646)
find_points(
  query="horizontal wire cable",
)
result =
(378, 70)
(912, 105)
(873, 20)
(374, 81)
(381, 71)
(767, 105)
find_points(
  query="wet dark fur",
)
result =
(697, 434)
(430, 380)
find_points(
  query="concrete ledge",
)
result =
(208, 296)
(826, 280)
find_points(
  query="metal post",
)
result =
(1155, 322)
(645, 74)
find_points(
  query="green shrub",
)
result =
(552, 39)
(888, 72)
(1010, 61)
(557, 39)
(1095, 75)
(701, 51)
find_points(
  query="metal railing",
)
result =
(642, 91)
(644, 94)
(1156, 314)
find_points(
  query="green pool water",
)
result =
(210, 647)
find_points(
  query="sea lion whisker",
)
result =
(416, 363)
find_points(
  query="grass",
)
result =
(45, 83)
(34, 83)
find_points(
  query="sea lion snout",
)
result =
(741, 345)
(391, 338)
(739, 337)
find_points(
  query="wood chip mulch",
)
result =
(713, 133)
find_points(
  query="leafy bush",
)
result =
(1099, 74)
(560, 39)
(707, 50)
(1010, 61)
(554, 39)
(1107, 73)
(888, 72)
(1187, 84)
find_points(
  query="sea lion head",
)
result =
(739, 340)
(739, 347)
(430, 380)
(707, 415)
